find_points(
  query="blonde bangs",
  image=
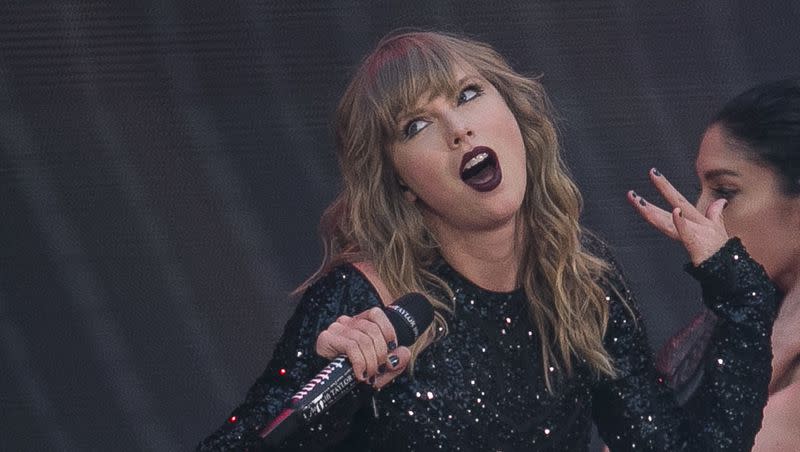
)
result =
(405, 72)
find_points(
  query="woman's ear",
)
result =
(408, 195)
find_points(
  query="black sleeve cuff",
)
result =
(731, 277)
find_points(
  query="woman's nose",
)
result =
(461, 133)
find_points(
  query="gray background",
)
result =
(163, 168)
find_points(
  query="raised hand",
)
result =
(369, 341)
(701, 233)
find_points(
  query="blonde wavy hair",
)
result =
(370, 221)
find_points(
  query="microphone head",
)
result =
(410, 315)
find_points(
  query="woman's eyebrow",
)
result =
(406, 115)
(716, 173)
(418, 111)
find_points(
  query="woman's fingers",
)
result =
(702, 240)
(673, 196)
(366, 339)
(330, 345)
(378, 317)
(396, 365)
(659, 218)
(369, 366)
(714, 211)
(681, 225)
(701, 233)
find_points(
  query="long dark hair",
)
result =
(764, 122)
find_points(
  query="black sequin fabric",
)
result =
(481, 387)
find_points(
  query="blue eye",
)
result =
(469, 93)
(414, 127)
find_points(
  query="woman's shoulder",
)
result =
(611, 277)
(334, 277)
(595, 245)
(781, 425)
(351, 283)
(342, 288)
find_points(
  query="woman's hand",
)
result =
(702, 233)
(369, 341)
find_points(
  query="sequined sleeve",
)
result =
(343, 291)
(637, 411)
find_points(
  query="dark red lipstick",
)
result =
(480, 169)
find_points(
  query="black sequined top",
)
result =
(481, 387)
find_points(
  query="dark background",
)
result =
(163, 167)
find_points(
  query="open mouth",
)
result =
(480, 169)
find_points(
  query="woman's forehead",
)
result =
(718, 156)
(432, 87)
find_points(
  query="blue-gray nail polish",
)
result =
(656, 173)
(394, 360)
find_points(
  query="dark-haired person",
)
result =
(453, 186)
(750, 157)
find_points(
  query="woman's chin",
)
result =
(500, 216)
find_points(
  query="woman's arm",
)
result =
(637, 410)
(343, 291)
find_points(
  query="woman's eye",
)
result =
(414, 127)
(469, 93)
(726, 193)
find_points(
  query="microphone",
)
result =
(410, 315)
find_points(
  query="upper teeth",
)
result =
(475, 160)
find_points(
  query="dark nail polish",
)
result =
(372, 380)
(364, 375)
(641, 201)
(382, 368)
(391, 345)
(656, 173)
(394, 360)
(633, 193)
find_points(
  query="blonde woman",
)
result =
(454, 187)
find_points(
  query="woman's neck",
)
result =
(488, 258)
(786, 341)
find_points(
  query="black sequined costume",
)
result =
(481, 387)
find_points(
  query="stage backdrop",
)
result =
(163, 168)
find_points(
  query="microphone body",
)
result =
(410, 315)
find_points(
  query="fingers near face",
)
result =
(673, 196)
(657, 217)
